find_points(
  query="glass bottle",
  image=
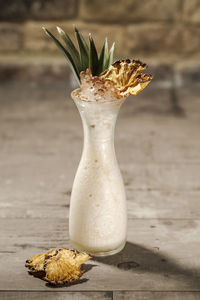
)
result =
(98, 216)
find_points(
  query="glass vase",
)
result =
(98, 214)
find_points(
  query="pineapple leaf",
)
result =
(93, 57)
(109, 57)
(85, 57)
(66, 53)
(111, 54)
(106, 54)
(71, 48)
(84, 50)
(101, 59)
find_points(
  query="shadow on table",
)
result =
(85, 268)
(142, 260)
(64, 285)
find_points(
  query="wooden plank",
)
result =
(167, 166)
(49, 176)
(159, 153)
(141, 204)
(55, 295)
(43, 135)
(160, 255)
(163, 204)
(156, 295)
(47, 127)
(162, 177)
(144, 139)
(179, 103)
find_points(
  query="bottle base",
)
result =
(79, 248)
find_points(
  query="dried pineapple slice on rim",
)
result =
(127, 77)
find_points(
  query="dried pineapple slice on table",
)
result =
(58, 266)
(59, 270)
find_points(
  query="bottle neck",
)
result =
(98, 119)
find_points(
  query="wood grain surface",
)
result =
(158, 149)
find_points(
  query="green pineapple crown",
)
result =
(86, 56)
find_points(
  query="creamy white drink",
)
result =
(97, 221)
(98, 218)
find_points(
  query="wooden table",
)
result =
(158, 149)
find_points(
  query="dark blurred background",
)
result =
(164, 34)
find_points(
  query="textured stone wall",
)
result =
(162, 32)
(161, 29)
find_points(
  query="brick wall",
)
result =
(165, 31)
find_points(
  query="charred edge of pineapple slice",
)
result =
(36, 262)
(29, 262)
(117, 63)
